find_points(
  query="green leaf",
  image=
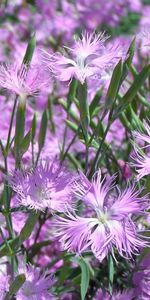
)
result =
(30, 50)
(4, 195)
(15, 286)
(24, 235)
(13, 244)
(95, 102)
(147, 185)
(114, 85)
(110, 273)
(25, 143)
(72, 125)
(19, 130)
(84, 108)
(50, 113)
(20, 123)
(135, 120)
(28, 227)
(85, 276)
(132, 91)
(35, 248)
(33, 128)
(43, 129)
(71, 113)
(72, 91)
(74, 161)
(128, 61)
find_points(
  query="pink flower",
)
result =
(143, 38)
(22, 81)
(47, 186)
(104, 295)
(4, 285)
(141, 280)
(110, 226)
(36, 286)
(141, 158)
(89, 58)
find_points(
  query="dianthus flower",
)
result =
(111, 225)
(143, 38)
(141, 280)
(141, 159)
(36, 285)
(104, 295)
(46, 186)
(88, 58)
(23, 81)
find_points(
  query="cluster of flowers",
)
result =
(46, 162)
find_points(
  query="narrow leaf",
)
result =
(84, 108)
(43, 128)
(71, 113)
(114, 85)
(111, 273)
(132, 91)
(25, 143)
(95, 102)
(128, 61)
(72, 91)
(15, 286)
(28, 227)
(30, 50)
(72, 125)
(85, 275)
(19, 130)
(33, 128)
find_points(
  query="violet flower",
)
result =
(141, 280)
(89, 57)
(4, 285)
(22, 81)
(110, 227)
(104, 295)
(36, 286)
(141, 158)
(47, 186)
(143, 43)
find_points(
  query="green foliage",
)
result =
(15, 286)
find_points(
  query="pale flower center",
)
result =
(41, 193)
(102, 217)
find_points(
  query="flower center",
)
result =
(102, 217)
(28, 289)
(41, 194)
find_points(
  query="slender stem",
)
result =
(65, 132)
(38, 156)
(8, 192)
(64, 139)
(94, 165)
(71, 143)
(40, 226)
(11, 123)
(6, 242)
(86, 158)
(32, 145)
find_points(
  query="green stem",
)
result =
(95, 162)
(86, 158)
(11, 123)
(38, 156)
(70, 144)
